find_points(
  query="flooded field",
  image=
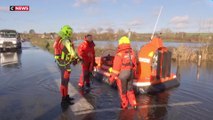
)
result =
(138, 44)
(29, 90)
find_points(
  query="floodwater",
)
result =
(29, 90)
(137, 44)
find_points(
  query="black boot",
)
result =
(80, 87)
(88, 85)
(135, 107)
(69, 98)
(65, 102)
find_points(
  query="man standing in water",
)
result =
(124, 67)
(86, 52)
(64, 56)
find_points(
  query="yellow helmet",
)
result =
(124, 40)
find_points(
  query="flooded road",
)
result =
(29, 90)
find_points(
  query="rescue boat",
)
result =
(153, 72)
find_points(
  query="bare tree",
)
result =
(93, 31)
(32, 31)
(110, 30)
(166, 30)
(121, 32)
(99, 30)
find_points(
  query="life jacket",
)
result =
(127, 61)
(64, 51)
(124, 59)
(86, 51)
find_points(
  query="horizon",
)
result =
(192, 16)
(27, 32)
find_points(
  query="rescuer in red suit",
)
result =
(86, 52)
(123, 70)
(65, 55)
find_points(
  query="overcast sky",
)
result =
(82, 15)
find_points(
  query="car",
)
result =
(9, 39)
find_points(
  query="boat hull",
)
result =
(141, 87)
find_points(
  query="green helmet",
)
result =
(66, 32)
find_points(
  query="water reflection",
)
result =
(150, 107)
(198, 73)
(178, 72)
(138, 44)
(128, 115)
(153, 107)
(10, 59)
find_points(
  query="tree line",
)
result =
(111, 34)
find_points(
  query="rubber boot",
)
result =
(65, 102)
(135, 107)
(131, 98)
(68, 98)
(81, 81)
(88, 85)
(124, 101)
(81, 86)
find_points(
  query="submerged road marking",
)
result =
(139, 107)
(80, 103)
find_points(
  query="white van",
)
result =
(9, 39)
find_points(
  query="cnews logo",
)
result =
(19, 8)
